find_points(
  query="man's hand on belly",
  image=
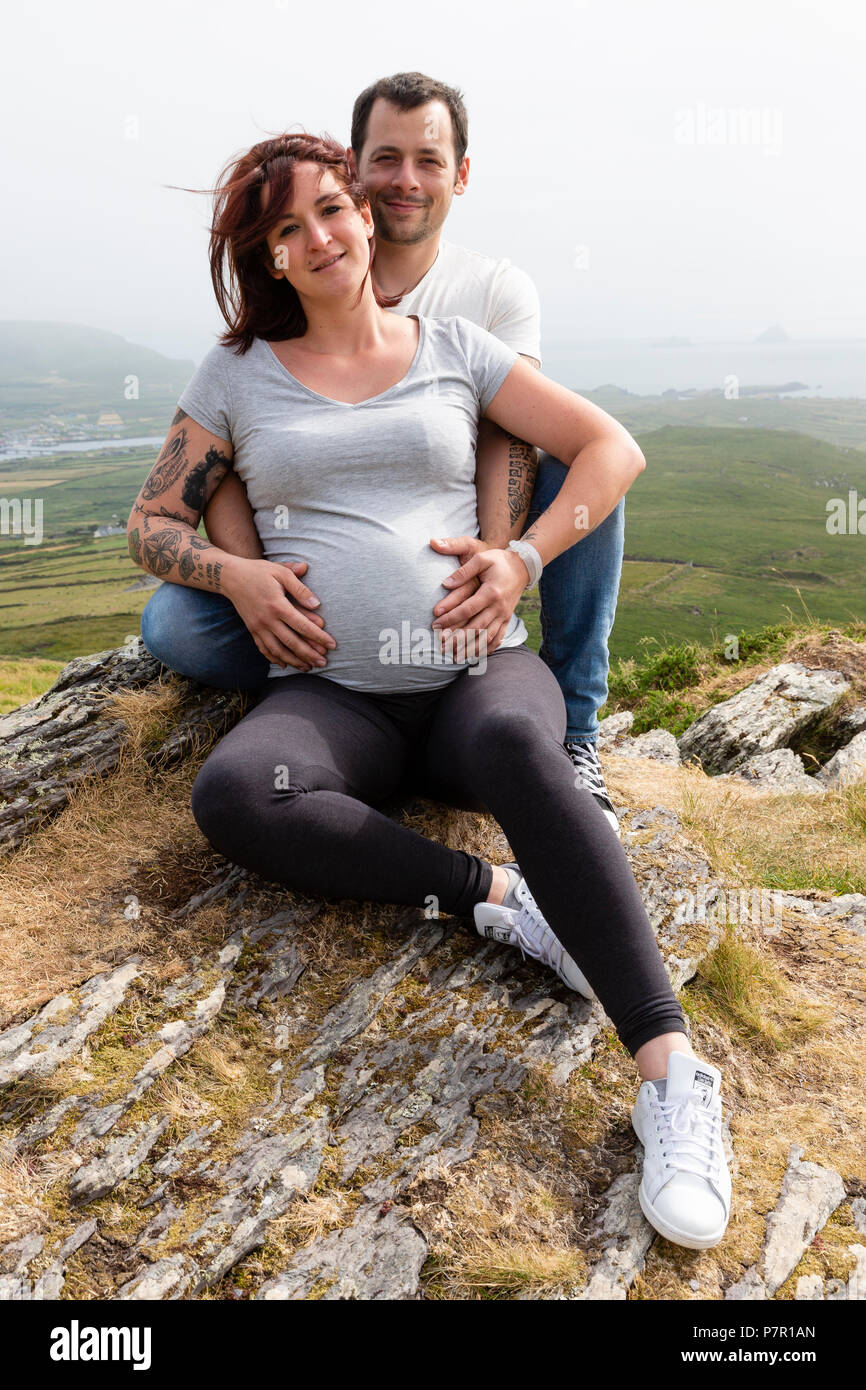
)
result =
(480, 603)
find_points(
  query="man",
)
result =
(408, 141)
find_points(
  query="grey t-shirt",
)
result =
(358, 490)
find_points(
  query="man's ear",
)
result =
(352, 162)
(462, 176)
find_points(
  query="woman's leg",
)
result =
(290, 793)
(497, 736)
(496, 740)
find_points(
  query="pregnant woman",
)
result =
(354, 432)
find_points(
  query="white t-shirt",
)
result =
(494, 294)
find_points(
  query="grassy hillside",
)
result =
(68, 366)
(727, 530)
(725, 533)
(835, 420)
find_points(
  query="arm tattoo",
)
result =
(161, 550)
(522, 467)
(176, 552)
(135, 545)
(195, 492)
(168, 467)
(178, 416)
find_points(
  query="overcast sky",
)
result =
(610, 156)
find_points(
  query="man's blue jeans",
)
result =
(201, 635)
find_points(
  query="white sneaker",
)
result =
(685, 1192)
(519, 922)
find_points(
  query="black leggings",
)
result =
(291, 793)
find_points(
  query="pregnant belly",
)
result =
(378, 607)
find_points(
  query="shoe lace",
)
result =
(534, 936)
(693, 1139)
(585, 759)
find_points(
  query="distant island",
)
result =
(691, 392)
(774, 334)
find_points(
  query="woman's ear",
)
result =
(274, 262)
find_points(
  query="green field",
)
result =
(835, 420)
(725, 531)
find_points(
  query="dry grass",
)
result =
(62, 893)
(497, 1232)
(148, 715)
(24, 1183)
(315, 1215)
(747, 992)
(755, 838)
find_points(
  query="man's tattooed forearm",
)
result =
(162, 550)
(522, 467)
(172, 549)
(195, 493)
(178, 416)
(168, 467)
(135, 545)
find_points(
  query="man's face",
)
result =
(407, 164)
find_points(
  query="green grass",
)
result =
(21, 680)
(747, 508)
(739, 985)
(655, 685)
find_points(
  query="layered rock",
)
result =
(783, 703)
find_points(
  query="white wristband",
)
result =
(531, 558)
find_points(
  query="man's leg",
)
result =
(578, 592)
(201, 635)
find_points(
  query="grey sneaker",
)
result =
(588, 773)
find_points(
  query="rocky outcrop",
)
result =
(748, 736)
(846, 766)
(375, 1110)
(659, 744)
(810, 1194)
(613, 728)
(781, 770)
(356, 1102)
(73, 731)
(783, 703)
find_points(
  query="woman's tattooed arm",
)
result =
(164, 519)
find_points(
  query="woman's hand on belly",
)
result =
(275, 607)
(483, 593)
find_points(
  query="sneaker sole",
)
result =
(670, 1232)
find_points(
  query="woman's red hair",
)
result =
(252, 302)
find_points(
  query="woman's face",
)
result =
(321, 242)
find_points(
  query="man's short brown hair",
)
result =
(406, 90)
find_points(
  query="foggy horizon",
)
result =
(676, 172)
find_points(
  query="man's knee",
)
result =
(170, 617)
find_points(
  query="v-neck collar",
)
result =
(353, 405)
